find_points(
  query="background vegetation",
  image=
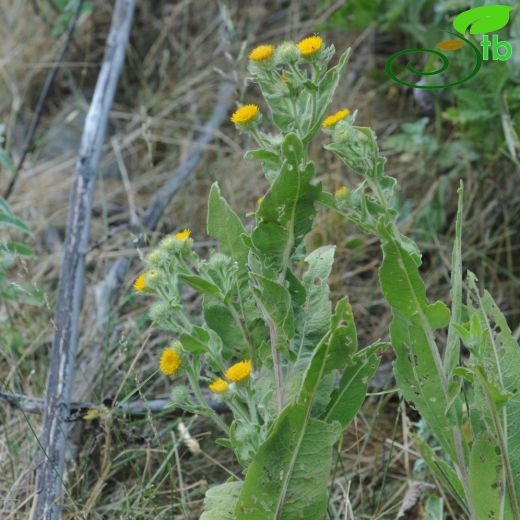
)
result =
(178, 54)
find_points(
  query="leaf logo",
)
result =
(481, 20)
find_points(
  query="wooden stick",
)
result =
(37, 405)
(49, 473)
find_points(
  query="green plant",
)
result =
(9, 251)
(297, 377)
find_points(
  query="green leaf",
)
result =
(12, 221)
(287, 480)
(484, 19)
(434, 508)
(271, 239)
(443, 470)
(418, 367)
(452, 352)
(193, 344)
(502, 362)
(225, 226)
(289, 203)
(219, 318)
(220, 501)
(348, 398)
(486, 483)
(313, 318)
(200, 284)
(276, 305)
(333, 352)
(264, 155)
(18, 248)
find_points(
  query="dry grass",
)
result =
(140, 468)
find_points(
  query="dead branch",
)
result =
(35, 405)
(49, 472)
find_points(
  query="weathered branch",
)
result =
(134, 408)
(49, 472)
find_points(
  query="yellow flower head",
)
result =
(334, 118)
(139, 283)
(245, 114)
(239, 371)
(259, 200)
(342, 192)
(183, 235)
(261, 53)
(170, 361)
(309, 46)
(218, 386)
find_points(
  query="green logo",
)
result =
(479, 20)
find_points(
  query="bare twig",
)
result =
(48, 476)
(35, 405)
(43, 97)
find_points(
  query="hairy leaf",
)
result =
(288, 478)
(220, 501)
(225, 226)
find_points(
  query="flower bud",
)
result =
(152, 278)
(288, 52)
(156, 258)
(160, 312)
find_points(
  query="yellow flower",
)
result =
(261, 53)
(342, 192)
(239, 371)
(334, 118)
(259, 200)
(309, 46)
(245, 114)
(139, 283)
(218, 386)
(184, 234)
(170, 361)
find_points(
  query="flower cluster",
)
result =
(234, 374)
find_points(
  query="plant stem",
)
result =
(245, 334)
(210, 412)
(277, 366)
